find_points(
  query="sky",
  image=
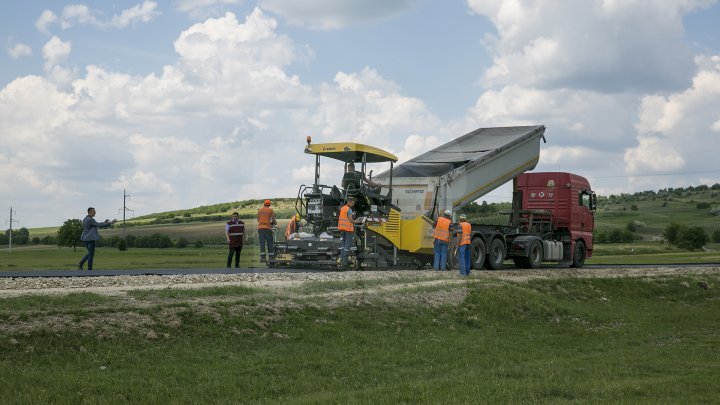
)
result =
(192, 102)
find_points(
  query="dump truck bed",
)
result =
(464, 169)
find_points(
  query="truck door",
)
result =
(587, 216)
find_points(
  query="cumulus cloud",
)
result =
(330, 14)
(18, 51)
(205, 8)
(55, 52)
(144, 12)
(679, 131)
(46, 19)
(224, 122)
(368, 108)
(601, 45)
(80, 14)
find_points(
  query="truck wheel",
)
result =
(496, 255)
(535, 254)
(579, 254)
(477, 253)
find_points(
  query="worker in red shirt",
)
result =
(463, 236)
(266, 220)
(235, 236)
(442, 239)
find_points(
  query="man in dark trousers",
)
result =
(235, 236)
(266, 221)
(90, 236)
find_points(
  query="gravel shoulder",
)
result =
(120, 285)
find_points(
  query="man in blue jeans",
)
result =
(90, 236)
(442, 239)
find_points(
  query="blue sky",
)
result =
(185, 103)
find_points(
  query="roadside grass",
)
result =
(623, 340)
(54, 258)
(319, 287)
(216, 291)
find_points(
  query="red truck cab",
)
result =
(562, 204)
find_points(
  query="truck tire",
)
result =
(477, 253)
(495, 255)
(579, 254)
(533, 259)
(535, 254)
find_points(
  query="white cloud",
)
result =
(599, 45)
(80, 14)
(46, 19)
(678, 131)
(224, 122)
(19, 51)
(144, 12)
(205, 8)
(55, 52)
(331, 14)
(368, 108)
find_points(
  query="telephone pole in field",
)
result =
(10, 235)
(125, 209)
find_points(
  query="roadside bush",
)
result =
(182, 242)
(692, 238)
(716, 236)
(672, 232)
(122, 245)
(684, 237)
(198, 244)
(703, 205)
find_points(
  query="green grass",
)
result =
(551, 341)
(53, 258)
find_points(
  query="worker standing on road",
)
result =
(266, 220)
(442, 239)
(293, 226)
(235, 235)
(346, 221)
(463, 235)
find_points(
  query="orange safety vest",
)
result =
(291, 228)
(442, 229)
(344, 223)
(265, 217)
(466, 229)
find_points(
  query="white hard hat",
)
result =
(448, 212)
(463, 216)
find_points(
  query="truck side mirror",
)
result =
(593, 201)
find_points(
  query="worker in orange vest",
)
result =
(266, 220)
(346, 226)
(442, 239)
(293, 226)
(463, 235)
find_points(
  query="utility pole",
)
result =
(11, 224)
(125, 209)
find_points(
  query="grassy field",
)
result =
(546, 341)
